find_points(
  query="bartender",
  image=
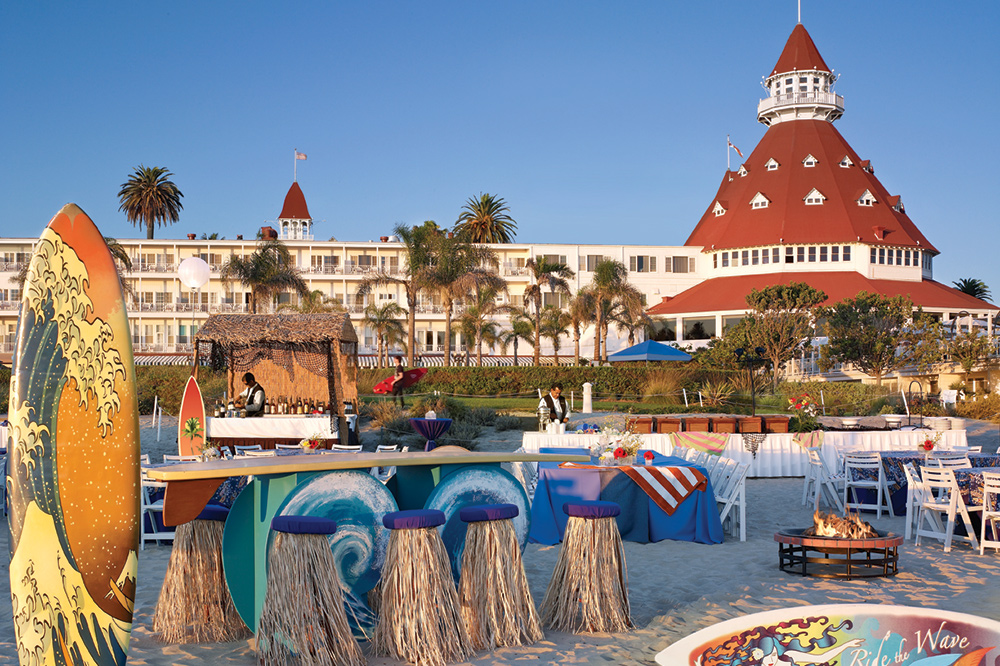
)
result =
(253, 396)
(556, 405)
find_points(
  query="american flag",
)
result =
(738, 152)
(302, 156)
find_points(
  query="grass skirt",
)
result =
(419, 617)
(194, 604)
(303, 620)
(589, 586)
(493, 590)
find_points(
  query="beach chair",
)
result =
(170, 459)
(858, 466)
(828, 482)
(991, 511)
(915, 495)
(241, 450)
(733, 500)
(943, 500)
(149, 510)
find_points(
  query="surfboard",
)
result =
(73, 463)
(191, 429)
(410, 377)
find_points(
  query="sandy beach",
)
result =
(676, 588)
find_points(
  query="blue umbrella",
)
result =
(650, 350)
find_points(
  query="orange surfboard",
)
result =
(191, 430)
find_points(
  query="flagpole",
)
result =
(728, 143)
(295, 165)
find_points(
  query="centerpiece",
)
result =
(312, 442)
(929, 443)
(805, 410)
(617, 447)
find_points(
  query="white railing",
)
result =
(806, 98)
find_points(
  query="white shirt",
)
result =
(257, 403)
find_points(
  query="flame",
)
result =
(849, 527)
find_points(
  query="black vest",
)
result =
(550, 403)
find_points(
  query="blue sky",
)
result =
(598, 122)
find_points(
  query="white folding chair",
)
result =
(916, 493)
(855, 465)
(144, 459)
(810, 483)
(991, 511)
(976, 449)
(287, 447)
(383, 474)
(943, 500)
(346, 448)
(950, 461)
(262, 453)
(732, 499)
(241, 450)
(168, 458)
(828, 483)
(148, 512)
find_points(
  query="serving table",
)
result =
(339, 486)
(270, 430)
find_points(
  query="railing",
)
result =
(9, 305)
(824, 98)
(11, 266)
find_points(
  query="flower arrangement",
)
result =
(930, 443)
(805, 410)
(314, 441)
(648, 457)
(618, 446)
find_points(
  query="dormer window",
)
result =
(759, 201)
(899, 207)
(867, 167)
(810, 161)
(846, 162)
(743, 171)
(771, 165)
(814, 198)
(718, 209)
(866, 199)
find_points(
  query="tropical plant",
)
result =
(716, 394)
(315, 302)
(267, 272)
(384, 320)
(629, 313)
(555, 325)
(477, 322)
(486, 220)
(974, 287)
(781, 321)
(521, 328)
(581, 314)
(457, 267)
(609, 279)
(193, 430)
(150, 197)
(549, 274)
(416, 275)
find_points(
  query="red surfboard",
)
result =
(410, 377)
(191, 429)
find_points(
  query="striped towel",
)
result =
(809, 440)
(667, 486)
(710, 442)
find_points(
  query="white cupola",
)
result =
(800, 85)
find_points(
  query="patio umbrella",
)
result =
(650, 350)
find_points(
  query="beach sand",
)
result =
(676, 588)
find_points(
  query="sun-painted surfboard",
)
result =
(73, 472)
(191, 420)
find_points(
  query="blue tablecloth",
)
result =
(696, 519)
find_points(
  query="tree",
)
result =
(555, 324)
(485, 220)
(544, 273)
(270, 270)
(419, 244)
(148, 197)
(384, 320)
(968, 348)
(629, 313)
(781, 321)
(974, 287)
(315, 302)
(521, 328)
(456, 268)
(123, 262)
(879, 335)
(477, 321)
(581, 314)
(609, 280)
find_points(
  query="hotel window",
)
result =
(765, 256)
(642, 264)
(899, 257)
(800, 255)
(789, 255)
(759, 201)
(846, 162)
(803, 79)
(881, 255)
(867, 199)
(771, 165)
(812, 255)
(715, 260)
(552, 258)
(874, 255)
(755, 257)
(847, 253)
(725, 260)
(789, 82)
(822, 253)
(906, 258)
(718, 209)
(686, 264)
(834, 253)
(814, 198)
(746, 257)
(743, 171)
(590, 262)
(776, 255)
(810, 161)
(889, 258)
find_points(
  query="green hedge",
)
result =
(167, 382)
(4, 389)
(607, 381)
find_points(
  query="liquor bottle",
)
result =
(267, 406)
(231, 409)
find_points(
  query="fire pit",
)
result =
(837, 547)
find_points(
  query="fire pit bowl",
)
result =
(837, 557)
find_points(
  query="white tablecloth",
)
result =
(777, 455)
(271, 427)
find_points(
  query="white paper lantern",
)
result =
(194, 272)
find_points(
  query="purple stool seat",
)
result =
(482, 512)
(591, 509)
(214, 512)
(303, 525)
(413, 519)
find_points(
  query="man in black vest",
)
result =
(253, 396)
(556, 404)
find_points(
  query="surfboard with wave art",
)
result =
(73, 473)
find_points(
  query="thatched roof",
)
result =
(238, 329)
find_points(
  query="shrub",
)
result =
(985, 409)
(664, 385)
(481, 416)
(506, 422)
(386, 414)
(369, 377)
(461, 433)
(4, 388)
(167, 383)
(715, 394)
(444, 407)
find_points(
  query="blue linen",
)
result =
(215, 512)
(567, 450)
(592, 509)
(696, 519)
(303, 525)
(478, 513)
(413, 519)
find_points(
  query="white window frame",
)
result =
(867, 199)
(814, 198)
(846, 163)
(810, 161)
(771, 165)
(759, 201)
(718, 210)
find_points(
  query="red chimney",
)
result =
(268, 233)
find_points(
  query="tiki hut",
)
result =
(307, 356)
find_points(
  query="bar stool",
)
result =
(493, 589)
(303, 617)
(195, 605)
(419, 619)
(589, 586)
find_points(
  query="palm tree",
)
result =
(521, 328)
(610, 276)
(459, 266)
(419, 243)
(315, 302)
(555, 324)
(552, 274)
(629, 313)
(974, 287)
(148, 196)
(270, 270)
(485, 220)
(477, 321)
(123, 262)
(581, 314)
(385, 321)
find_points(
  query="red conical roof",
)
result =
(799, 54)
(295, 205)
(787, 219)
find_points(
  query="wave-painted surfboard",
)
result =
(73, 472)
(191, 420)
